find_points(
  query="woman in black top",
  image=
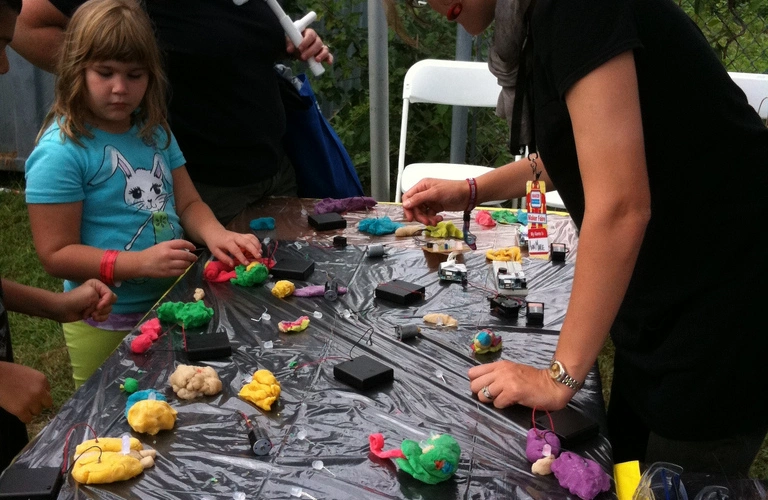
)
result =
(636, 122)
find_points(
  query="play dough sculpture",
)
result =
(190, 382)
(432, 463)
(262, 391)
(108, 460)
(148, 412)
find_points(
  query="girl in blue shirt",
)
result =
(108, 192)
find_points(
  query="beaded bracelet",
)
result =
(470, 238)
(472, 194)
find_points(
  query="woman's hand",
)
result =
(92, 299)
(311, 46)
(511, 383)
(430, 196)
(225, 245)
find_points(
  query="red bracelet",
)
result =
(472, 194)
(107, 267)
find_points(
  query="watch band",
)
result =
(558, 374)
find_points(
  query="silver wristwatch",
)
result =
(558, 374)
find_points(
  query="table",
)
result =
(207, 454)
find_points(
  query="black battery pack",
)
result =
(400, 292)
(363, 373)
(292, 269)
(327, 222)
(207, 345)
(570, 425)
(507, 307)
(40, 483)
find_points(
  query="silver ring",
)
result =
(487, 393)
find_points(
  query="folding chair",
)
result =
(755, 85)
(456, 83)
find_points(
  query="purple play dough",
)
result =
(534, 445)
(581, 476)
(315, 291)
(327, 205)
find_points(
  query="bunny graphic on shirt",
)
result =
(145, 190)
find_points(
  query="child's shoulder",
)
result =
(54, 137)
(53, 132)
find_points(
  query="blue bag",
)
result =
(323, 166)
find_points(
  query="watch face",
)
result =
(555, 369)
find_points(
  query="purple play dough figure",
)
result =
(537, 439)
(342, 205)
(581, 476)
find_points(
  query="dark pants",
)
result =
(228, 201)
(13, 437)
(632, 440)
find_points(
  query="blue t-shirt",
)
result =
(126, 189)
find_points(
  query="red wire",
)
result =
(247, 420)
(317, 361)
(533, 421)
(66, 442)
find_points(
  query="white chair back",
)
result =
(755, 85)
(456, 83)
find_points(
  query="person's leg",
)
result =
(284, 181)
(627, 432)
(89, 347)
(730, 456)
(228, 201)
(13, 438)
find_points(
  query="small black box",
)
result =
(339, 242)
(30, 484)
(557, 252)
(571, 426)
(399, 291)
(363, 373)
(292, 269)
(326, 222)
(505, 306)
(207, 345)
(534, 313)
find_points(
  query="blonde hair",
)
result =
(103, 30)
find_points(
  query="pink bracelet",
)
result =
(107, 267)
(472, 194)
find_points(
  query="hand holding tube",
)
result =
(293, 31)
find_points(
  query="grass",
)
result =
(40, 343)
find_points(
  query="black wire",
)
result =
(83, 453)
(370, 340)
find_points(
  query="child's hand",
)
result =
(167, 259)
(92, 299)
(228, 244)
(24, 391)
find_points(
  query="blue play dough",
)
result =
(262, 223)
(383, 225)
(141, 396)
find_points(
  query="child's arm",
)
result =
(56, 234)
(92, 299)
(201, 225)
(24, 391)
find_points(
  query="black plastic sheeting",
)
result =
(207, 454)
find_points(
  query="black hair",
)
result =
(14, 5)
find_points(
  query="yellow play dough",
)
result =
(151, 416)
(262, 391)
